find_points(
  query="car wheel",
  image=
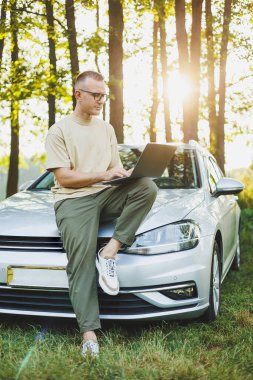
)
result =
(237, 259)
(215, 287)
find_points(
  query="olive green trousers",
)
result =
(78, 222)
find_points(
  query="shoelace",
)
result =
(110, 267)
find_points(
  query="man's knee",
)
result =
(148, 186)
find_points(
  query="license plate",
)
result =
(37, 276)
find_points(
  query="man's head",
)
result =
(90, 92)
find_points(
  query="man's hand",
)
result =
(117, 172)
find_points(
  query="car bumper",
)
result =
(151, 287)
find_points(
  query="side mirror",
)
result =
(25, 185)
(226, 186)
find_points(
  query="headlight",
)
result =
(170, 238)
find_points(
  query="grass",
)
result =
(165, 350)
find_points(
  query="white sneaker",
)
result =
(108, 279)
(90, 347)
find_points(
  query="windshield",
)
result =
(181, 172)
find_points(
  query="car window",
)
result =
(214, 173)
(181, 172)
(44, 183)
(216, 168)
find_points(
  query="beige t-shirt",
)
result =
(85, 146)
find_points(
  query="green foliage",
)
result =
(247, 220)
(30, 77)
(39, 160)
(88, 4)
(95, 43)
(246, 196)
(22, 162)
(4, 163)
(142, 6)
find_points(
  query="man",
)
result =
(82, 152)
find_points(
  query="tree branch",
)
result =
(40, 14)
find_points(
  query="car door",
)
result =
(225, 212)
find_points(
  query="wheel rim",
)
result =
(216, 283)
(238, 251)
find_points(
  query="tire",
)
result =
(215, 287)
(237, 259)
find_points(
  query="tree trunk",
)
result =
(116, 26)
(181, 36)
(189, 67)
(2, 29)
(52, 59)
(222, 82)
(164, 64)
(97, 24)
(96, 54)
(74, 63)
(155, 100)
(195, 65)
(211, 98)
(12, 180)
(184, 65)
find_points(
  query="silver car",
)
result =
(175, 267)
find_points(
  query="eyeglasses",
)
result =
(96, 95)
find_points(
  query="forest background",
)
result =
(176, 70)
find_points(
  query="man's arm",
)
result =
(74, 179)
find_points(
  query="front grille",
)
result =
(36, 300)
(33, 243)
(59, 302)
(36, 244)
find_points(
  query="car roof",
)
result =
(192, 144)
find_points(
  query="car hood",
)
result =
(28, 213)
(31, 213)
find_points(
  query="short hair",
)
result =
(88, 74)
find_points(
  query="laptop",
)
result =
(151, 163)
